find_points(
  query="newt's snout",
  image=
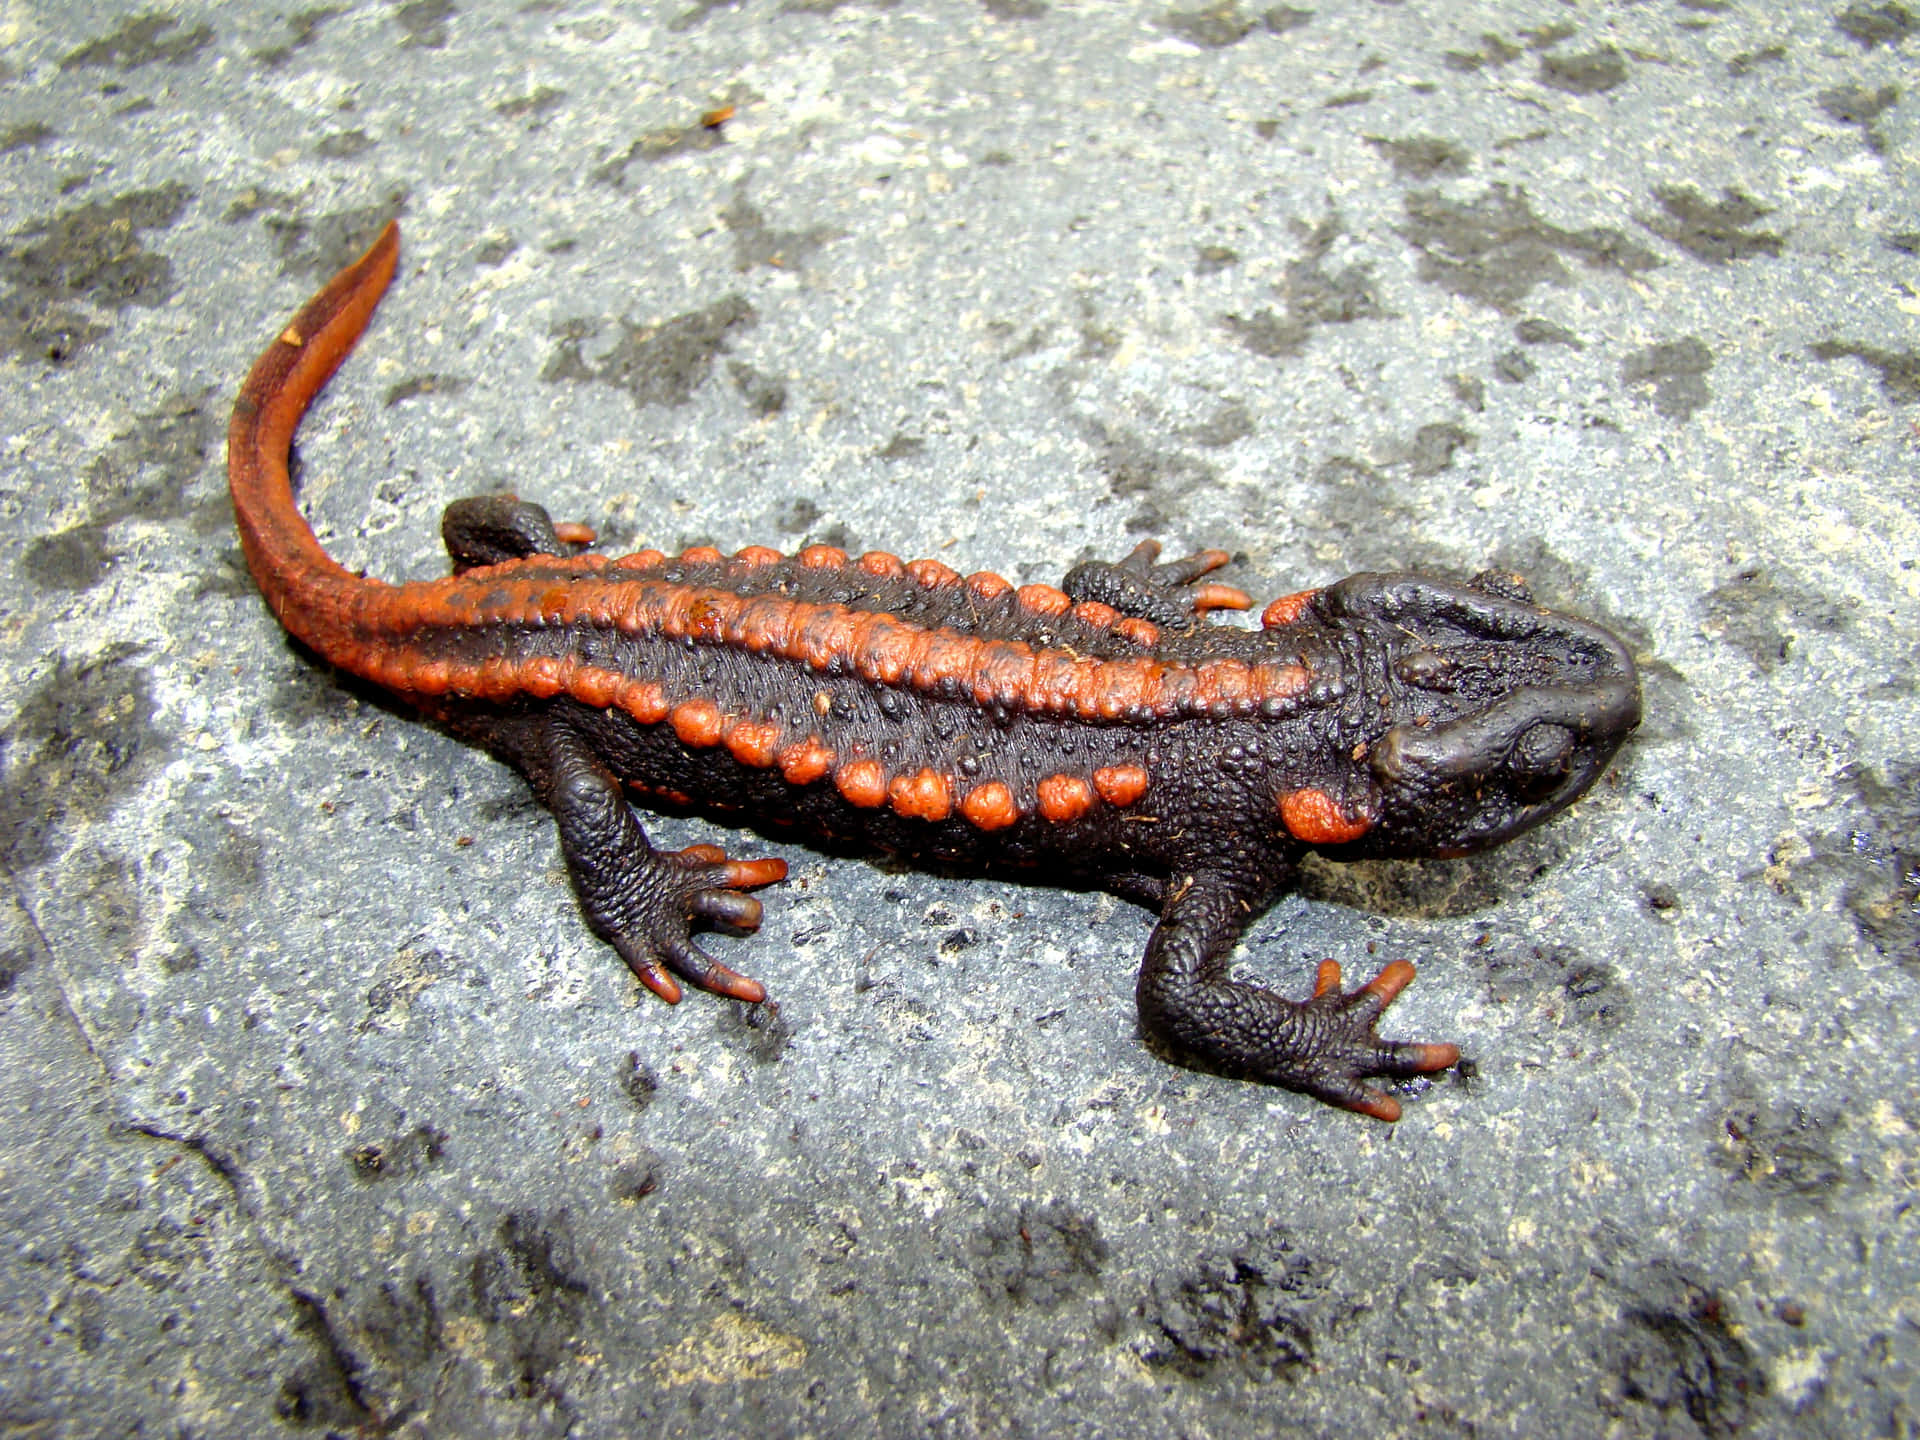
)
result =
(1501, 714)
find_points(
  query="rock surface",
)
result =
(323, 1113)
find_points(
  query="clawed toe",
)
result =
(1219, 597)
(1347, 1051)
(710, 862)
(697, 967)
(727, 907)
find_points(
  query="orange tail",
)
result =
(314, 597)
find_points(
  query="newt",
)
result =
(1105, 732)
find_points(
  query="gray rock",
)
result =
(321, 1112)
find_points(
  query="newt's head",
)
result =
(1478, 715)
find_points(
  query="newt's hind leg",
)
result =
(643, 901)
(489, 529)
(1163, 594)
(1324, 1046)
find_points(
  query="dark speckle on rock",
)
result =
(75, 558)
(828, 7)
(415, 386)
(1422, 157)
(657, 364)
(765, 394)
(1677, 371)
(1899, 369)
(255, 200)
(423, 23)
(1761, 616)
(1492, 51)
(1514, 367)
(1313, 295)
(1545, 332)
(1677, 1351)
(142, 40)
(344, 145)
(1858, 106)
(1434, 447)
(145, 472)
(1868, 26)
(1495, 249)
(25, 136)
(83, 739)
(1749, 61)
(763, 1030)
(1782, 1151)
(1150, 477)
(1213, 27)
(757, 243)
(1230, 424)
(535, 106)
(658, 145)
(320, 1391)
(800, 515)
(401, 1157)
(321, 246)
(495, 250)
(1883, 893)
(1258, 1310)
(698, 14)
(1039, 1255)
(1593, 73)
(1717, 231)
(1271, 336)
(303, 29)
(1545, 37)
(638, 1081)
(632, 1182)
(62, 271)
(1224, 23)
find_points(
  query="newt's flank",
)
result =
(1103, 732)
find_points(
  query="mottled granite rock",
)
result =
(323, 1112)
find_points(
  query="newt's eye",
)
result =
(1540, 758)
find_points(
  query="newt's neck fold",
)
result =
(315, 598)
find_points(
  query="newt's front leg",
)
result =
(1324, 1046)
(1163, 594)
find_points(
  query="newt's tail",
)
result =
(316, 599)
